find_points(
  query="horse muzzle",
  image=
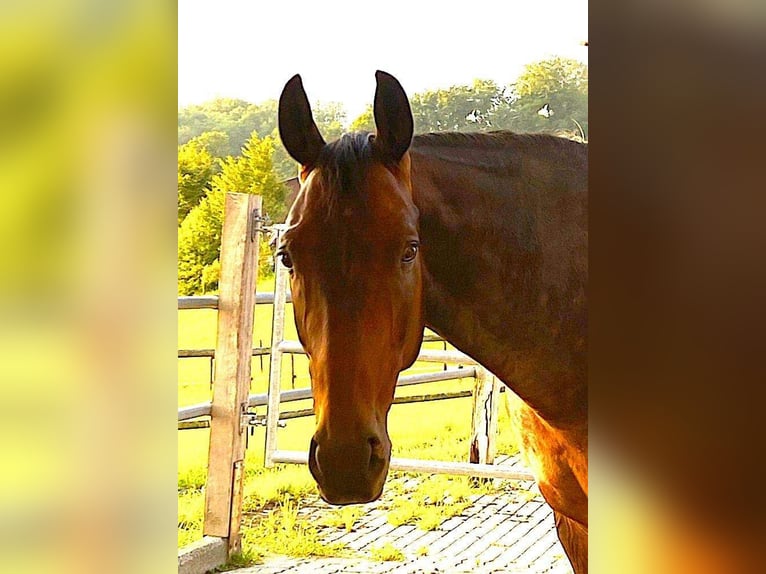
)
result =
(350, 472)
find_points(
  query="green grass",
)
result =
(191, 506)
(387, 552)
(241, 560)
(282, 531)
(435, 430)
(435, 499)
(343, 518)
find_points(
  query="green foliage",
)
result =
(330, 119)
(365, 122)
(236, 118)
(459, 108)
(285, 167)
(196, 168)
(210, 276)
(559, 82)
(216, 143)
(252, 172)
(199, 243)
(199, 235)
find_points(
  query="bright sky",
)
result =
(248, 49)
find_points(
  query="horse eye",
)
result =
(284, 256)
(410, 252)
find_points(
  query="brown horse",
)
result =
(482, 238)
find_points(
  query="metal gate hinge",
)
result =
(256, 420)
(258, 224)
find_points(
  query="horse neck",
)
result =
(505, 266)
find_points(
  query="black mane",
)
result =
(342, 163)
(488, 140)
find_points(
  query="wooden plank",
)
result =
(239, 260)
(190, 425)
(238, 487)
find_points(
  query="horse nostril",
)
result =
(376, 452)
(314, 460)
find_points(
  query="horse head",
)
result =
(352, 248)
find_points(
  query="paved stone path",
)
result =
(512, 531)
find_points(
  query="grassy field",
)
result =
(436, 430)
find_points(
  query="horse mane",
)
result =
(444, 145)
(340, 168)
(343, 162)
(489, 140)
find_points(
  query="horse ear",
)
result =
(393, 117)
(297, 129)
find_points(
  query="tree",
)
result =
(196, 168)
(365, 122)
(458, 108)
(550, 96)
(234, 117)
(330, 119)
(216, 142)
(199, 236)
(253, 172)
(199, 244)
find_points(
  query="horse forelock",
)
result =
(340, 171)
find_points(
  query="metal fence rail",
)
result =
(486, 392)
(211, 301)
(203, 409)
(419, 465)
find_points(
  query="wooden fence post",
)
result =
(486, 394)
(233, 355)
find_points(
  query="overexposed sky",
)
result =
(249, 48)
